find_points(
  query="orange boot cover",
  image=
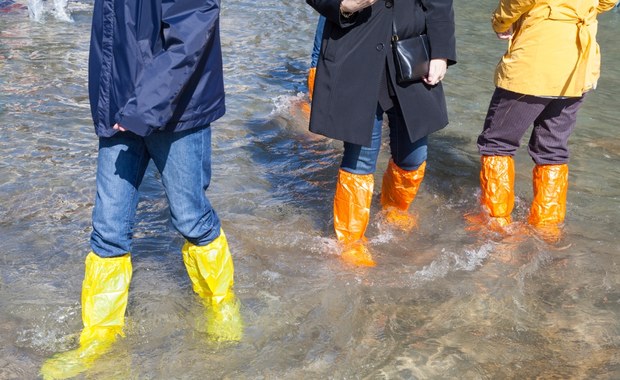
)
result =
(549, 205)
(497, 178)
(351, 215)
(305, 107)
(311, 75)
(398, 190)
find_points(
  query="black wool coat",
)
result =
(354, 53)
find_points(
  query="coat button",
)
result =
(389, 3)
(380, 46)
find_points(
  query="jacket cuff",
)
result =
(444, 53)
(499, 26)
(135, 125)
(333, 14)
(346, 20)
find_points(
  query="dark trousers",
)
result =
(510, 115)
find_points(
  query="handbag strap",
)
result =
(394, 30)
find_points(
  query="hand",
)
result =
(505, 35)
(118, 127)
(436, 71)
(350, 6)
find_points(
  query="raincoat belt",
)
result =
(584, 35)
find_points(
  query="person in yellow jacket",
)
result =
(552, 60)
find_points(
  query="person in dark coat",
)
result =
(355, 86)
(155, 86)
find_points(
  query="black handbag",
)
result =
(411, 57)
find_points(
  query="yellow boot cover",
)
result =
(399, 189)
(548, 208)
(210, 268)
(224, 321)
(104, 300)
(497, 177)
(211, 272)
(351, 215)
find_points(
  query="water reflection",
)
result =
(443, 302)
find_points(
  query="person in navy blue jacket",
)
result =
(155, 85)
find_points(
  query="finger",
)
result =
(430, 81)
(433, 78)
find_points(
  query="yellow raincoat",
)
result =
(553, 50)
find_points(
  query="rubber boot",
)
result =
(104, 300)
(210, 269)
(398, 191)
(497, 178)
(351, 215)
(548, 208)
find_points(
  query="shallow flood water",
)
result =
(443, 301)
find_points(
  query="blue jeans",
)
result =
(318, 40)
(184, 162)
(407, 155)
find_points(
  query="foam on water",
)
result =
(448, 262)
(283, 104)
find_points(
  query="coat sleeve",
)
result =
(440, 29)
(331, 10)
(188, 29)
(508, 12)
(606, 5)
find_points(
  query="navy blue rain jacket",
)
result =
(155, 65)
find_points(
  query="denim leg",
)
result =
(121, 164)
(184, 161)
(318, 40)
(358, 159)
(549, 140)
(407, 155)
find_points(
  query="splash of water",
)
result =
(35, 9)
(284, 103)
(61, 12)
(58, 8)
(449, 261)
